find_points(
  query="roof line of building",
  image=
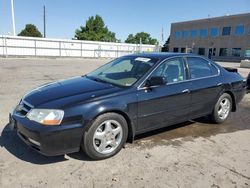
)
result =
(213, 18)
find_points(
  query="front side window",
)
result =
(199, 68)
(123, 71)
(239, 30)
(214, 32)
(172, 70)
(226, 31)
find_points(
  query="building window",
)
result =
(214, 32)
(176, 49)
(185, 34)
(214, 52)
(177, 34)
(239, 30)
(189, 50)
(203, 33)
(183, 50)
(223, 52)
(194, 34)
(247, 53)
(236, 52)
(226, 31)
(201, 51)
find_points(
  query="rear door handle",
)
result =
(186, 91)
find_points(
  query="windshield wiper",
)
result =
(97, 79)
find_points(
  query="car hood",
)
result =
(77, 86)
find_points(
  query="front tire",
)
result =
(222, 109)
(105, 137)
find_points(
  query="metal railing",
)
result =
(43, 47)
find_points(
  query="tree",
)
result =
(165, 47)
(144, 37)
(30, 30)
(95, 30)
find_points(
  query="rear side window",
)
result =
(199, 68)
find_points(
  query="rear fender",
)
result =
(227, 89)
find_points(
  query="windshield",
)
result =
(123, 71)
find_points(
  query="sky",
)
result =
(121, 16)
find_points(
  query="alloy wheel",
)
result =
(224, 108)
(107, 136)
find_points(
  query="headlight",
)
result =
(46, 116)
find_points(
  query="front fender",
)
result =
(124, 105)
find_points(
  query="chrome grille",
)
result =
(23, 108)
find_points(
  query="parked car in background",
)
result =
(248, 83)
(100, 111)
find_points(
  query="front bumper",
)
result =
(48, 140)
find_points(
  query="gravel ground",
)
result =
(192, 154)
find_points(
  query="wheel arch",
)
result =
(131, 128)
(129, 123)
(233, 100)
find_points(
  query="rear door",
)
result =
(206, 85)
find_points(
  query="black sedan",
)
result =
(100, 111)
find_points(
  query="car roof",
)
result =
(160, 55)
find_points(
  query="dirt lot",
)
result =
(192, 154)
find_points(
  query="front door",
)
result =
(168, 104)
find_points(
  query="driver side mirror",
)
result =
(155, 81)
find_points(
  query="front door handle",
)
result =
(186, 91)
(219, 84)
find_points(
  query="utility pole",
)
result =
(44, 22)
(162, 36)
(140, 45)
(13, 18)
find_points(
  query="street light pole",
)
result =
(13, 18)
(44, 22)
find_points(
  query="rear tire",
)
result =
(105, 137)
(222, 109)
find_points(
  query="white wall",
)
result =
(30, 46)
